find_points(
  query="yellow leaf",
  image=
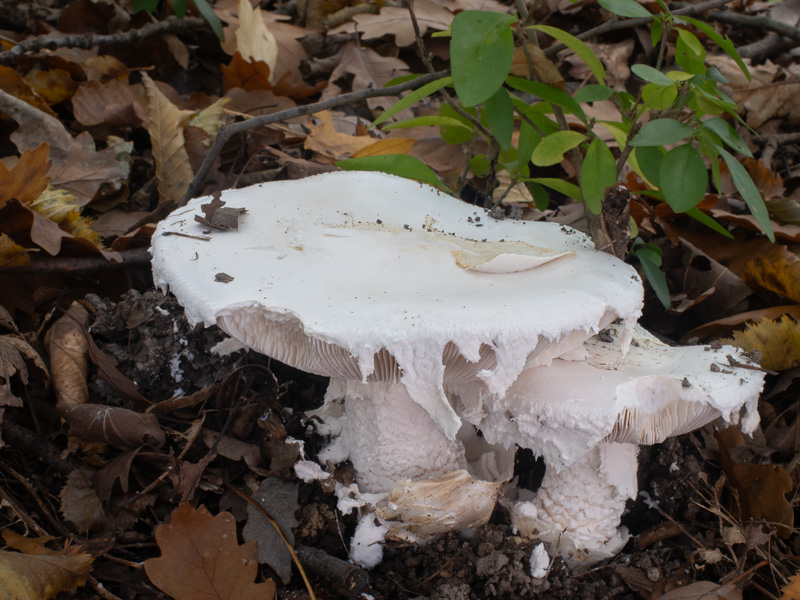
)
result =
(253, 40)
(388, 146)
(210, 119)
(28, 178)
(166, 134)
(38, 577)
(778, 270)
(777, 341)
(11, 253)
(329, 143)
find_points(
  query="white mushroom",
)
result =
(587, 418)
(394, 288)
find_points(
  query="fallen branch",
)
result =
(760, 23)
(81, 265)
(170, 25)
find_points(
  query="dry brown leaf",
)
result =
(773, 91)
(760, 489)
(28, 179)
(387, 146)
(12, 254)
(14, 84)
(118, 427)
(250, 76)
(69, 362)
(166, 134)
(41, 576)
(792, 589)
(704, 590)
(114, 103)
(365, 68)
(201, 559)
(14, 351)
(330, 144)
(724, 327)
(543, 68)
(777, 270)
(394, 21)
(53, 86)
(253, 40)
(81, 505)
(777, 341)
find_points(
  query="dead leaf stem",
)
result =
(170, 25)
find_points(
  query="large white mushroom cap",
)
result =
(372, 277)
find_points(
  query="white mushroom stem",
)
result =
(391, 438)
(577, 510)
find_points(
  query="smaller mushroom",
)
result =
(587, 417)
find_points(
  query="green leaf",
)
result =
(549, 93)
(147, 5)
(551, 150)
(728, 134)
(481, 53)
(412, 98)
(749, 192)
(578, 47)
(429, 121)
(689, 53)
(528, 138)
(650, 74)
(205, 10)
(500, 117)
(649, 160)
(659, 97)
(540, 196)
(660, 132)
(724, 43)
(656, 30)
(683, 177)
(179, 6)
(480, 165)
(568, 189)
(700, 216)
(402, 165)
(625, 8)
(649, 257)
(598, 172)
(456, 135)
(593, 93)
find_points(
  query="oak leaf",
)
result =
(394, 21)
(330, 144)
(166, 125)
(202, 560)
(250, 76)
(777, 341)
(13, 83)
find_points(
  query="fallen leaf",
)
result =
(118, 427)
(114, 102)
(68, 349)
(777, 270)
(14, 84)
(395, 21)
(387, 146)
(14, 352)
(201, 559)
(724, 327)
(219, 216)
(53, 85)
(279, 499)
(254, 42)
(39, 577)
(703, 590)
(543, 68)
(12, 254)
(250, 76)
(330, 144)
(777, 341)
(28, 178)
(760, 489)
(210, 119)
(166, 134)
(791, 591)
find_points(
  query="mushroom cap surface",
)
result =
(374, 277)
(563, 410)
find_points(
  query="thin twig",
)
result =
(760, 23)
(170, 25)
(282, 535)
(81, 265)
(227, 132)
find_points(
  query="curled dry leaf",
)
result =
(279, 499)
(14, 351)
(202, 560)
(166, 134)
(250, 76)
(69, 362)
(777, 270)
(118, 427)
